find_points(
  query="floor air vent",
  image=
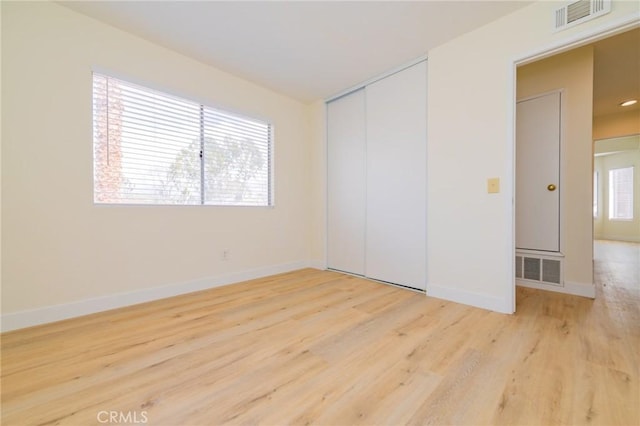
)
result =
(551, 271)
(539, 269)
(580, 11)
(531, 268)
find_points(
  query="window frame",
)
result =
(612, 194)
(268, 189)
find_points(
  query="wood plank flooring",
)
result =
(318, 347)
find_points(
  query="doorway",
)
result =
(616, 134)
(553, 218)
(567, 71)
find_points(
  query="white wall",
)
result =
(470, 138)
(63, 255)
(60, 251)
(0, 162)
(318, 172)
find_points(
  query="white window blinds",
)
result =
(154, 148)
(621, 194)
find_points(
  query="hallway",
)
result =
(616, 264)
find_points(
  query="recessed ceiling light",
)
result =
(629, 102)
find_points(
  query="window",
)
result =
(595, 194)
(621, 194)
(154, 148)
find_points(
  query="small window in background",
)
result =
(621, 194)
(155, 148)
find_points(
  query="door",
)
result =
(538, 173)
(346, 186)
(396, 177)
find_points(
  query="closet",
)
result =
(376, 178)
(539, 259)
(538, 173)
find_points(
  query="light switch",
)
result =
(493, 185)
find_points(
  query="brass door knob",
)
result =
(551, 187)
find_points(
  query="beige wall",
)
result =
(57, 246)
(616, 125)
(571, 72)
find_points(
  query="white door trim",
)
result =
(593, 34)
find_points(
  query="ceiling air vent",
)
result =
(580, 11)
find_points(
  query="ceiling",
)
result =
(308, 50)
(616, 73)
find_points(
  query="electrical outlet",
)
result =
(225, 254)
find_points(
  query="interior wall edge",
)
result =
(48, 314)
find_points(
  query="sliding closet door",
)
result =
(346, 183)
(396, 177)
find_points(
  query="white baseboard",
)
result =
(318, 264)
(29, 318)
(570, 287)
(470, 298)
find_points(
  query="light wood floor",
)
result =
(314, 347)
